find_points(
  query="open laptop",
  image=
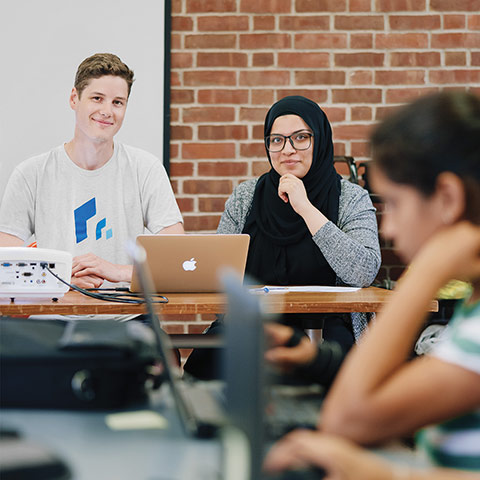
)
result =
(250, 406)
(200, 413)
(190, 263)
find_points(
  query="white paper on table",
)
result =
(303, 288)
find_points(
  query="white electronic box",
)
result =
(24, 272)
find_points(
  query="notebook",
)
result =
(190, 263)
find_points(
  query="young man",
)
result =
(90, 195)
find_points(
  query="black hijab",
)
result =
(281, 249)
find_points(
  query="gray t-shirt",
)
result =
(69, 208)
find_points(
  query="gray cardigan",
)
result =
(351, 247)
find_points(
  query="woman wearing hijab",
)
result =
(307, 225)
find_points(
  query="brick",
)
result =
(257, 131)
(303, 6)
(320, 40)
(361, 40)
(181, 96)
(254, 79)
(265, 6)
(213, 204)
(400, 5)
(175, 185)
(208, 150)
(401, 40)
(179, 132)
(176, 41)
(220, 40)
(259, 168)
(263, 59)
(176, 6)
(175, 79)
(254, 41)
(222, 169)
(181, 60)
(262, 97)
(359, 59)
(173, 150)
(263, 22)
(455, 59)
(310, 22)
(223, 95)
(360, 149)
(317, 95)
(405, 77)
(455, 40)
(174, 328)
(415, 22)
(181, 169)
(357, 95)
(455, 76)
(304, 60)
(222, 23)
(475, 59)
(182, 23)
(203, 6)
(455, 5)
(451, 22)
(184, 204)
(217, 187)
(320, 77)
(209, 77)
(360, 114)
(360, 77)
(222, 132)
(415, 59)
(360, 5)
(402, 95)
(474, 22)
(254, 150)
(359, 22)
(335, 114)
(252, 114)
(174, 114)
(339, 148)
(350, 132)
(201, 223)
(197, 327)
(221, 59)
(208, 114)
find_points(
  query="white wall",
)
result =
(42, 44)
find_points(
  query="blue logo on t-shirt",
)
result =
(82, 214)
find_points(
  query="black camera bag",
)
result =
(75, 364)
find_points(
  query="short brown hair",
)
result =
(97, 66)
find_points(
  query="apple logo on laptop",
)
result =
(189, 265)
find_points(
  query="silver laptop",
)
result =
(190, 263)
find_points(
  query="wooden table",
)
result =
(73, 303)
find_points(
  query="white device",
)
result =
(24, 273)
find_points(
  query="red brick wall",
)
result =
(231, 59)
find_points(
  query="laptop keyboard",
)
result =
(290, 407)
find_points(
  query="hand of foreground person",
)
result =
(343, 460)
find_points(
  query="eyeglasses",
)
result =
(298, 140)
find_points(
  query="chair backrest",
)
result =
(350, 163)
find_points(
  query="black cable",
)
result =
(135, 298)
